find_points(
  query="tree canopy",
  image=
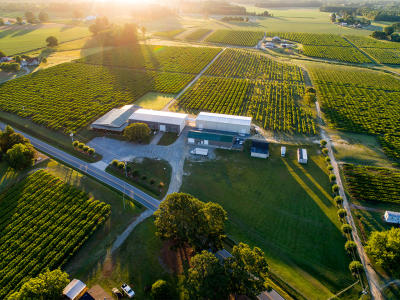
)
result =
(21, 156)
(137, 132)
(52, 41)
(43, 16)
(183, 219)
(48, 285)
(160, 290)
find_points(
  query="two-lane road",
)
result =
(118, 184)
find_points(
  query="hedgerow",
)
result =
(43, 222)
(70, 96)
(232, 37)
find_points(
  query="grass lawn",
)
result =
(284, 208)
(22, 38)
(153, 100)
(168, 138)
(147, 169)
(136, 263)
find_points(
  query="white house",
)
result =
(221, 122)
(392, 217)
(302, 156)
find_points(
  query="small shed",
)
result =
(259, 149)
(75, 289)
(392, 217)
(164, 121)
(283, 151)
(302, 156)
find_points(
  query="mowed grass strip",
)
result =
(284, 208)
(16, 39)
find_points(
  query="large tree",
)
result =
(206, 278)
(248, 270)
(8, 138)
(21, 156)
(160, 290)
(30, 17)
(183, 219)
(384, 248)
(48, 285)
(52, 41)
(43, 16)
(137, 132)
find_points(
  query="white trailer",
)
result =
(199, 151)
(283, 151)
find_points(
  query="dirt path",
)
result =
(360, 207)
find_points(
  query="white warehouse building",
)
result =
(392, 217)
(164, 121)
(221, 122)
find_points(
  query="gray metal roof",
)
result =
(222, 118)
(116, 117)
(157, 116)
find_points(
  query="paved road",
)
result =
(129, 190)
(372, 277)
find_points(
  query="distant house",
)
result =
(392, 217)
(90, 18)
(5, 59)
(31, 62)
(7, 23)
(285, 45)
(276, 39)
(283, 151)
(259, 149)
(75, 290)
(302, 156)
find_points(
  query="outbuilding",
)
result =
(164, 121)
(221, 122)
(283, 151)
(75, 290)
(392, 217)
(207, 138)
(259, 149)
(302, 156)
(115, 120)
(276, 39)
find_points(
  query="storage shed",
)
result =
(160, 120)
(302, 156)
(221, 122)
(392, 217)
(210, 138)
(259, 149)
(75, 289)
(115, 120)
(283, 151)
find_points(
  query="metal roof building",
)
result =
(259, 149)
(115, 120)
(221, 122)
(160, 120)
(392, 217)
(75, 289)
(302, 156)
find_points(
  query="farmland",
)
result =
(360, 101)
(69, 96)
(372, 184)
(312, 38)
(44, 221)
(197, 34)
(17, 39)
(169, 34)
(238, 38)
(343, 54)
(161, 58)
(282, 207)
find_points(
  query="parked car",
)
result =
(117, 293)
(127, 290)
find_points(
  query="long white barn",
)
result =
(221, 122)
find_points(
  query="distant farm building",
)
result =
(164, 121)
(216, 139)
(75, 290)
(276, 39)
(302, 156)
(221, 122)
(259, 149)
(115, 120)
(392, 217)
(283, 151)
(269, 45)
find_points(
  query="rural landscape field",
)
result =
(199, 149)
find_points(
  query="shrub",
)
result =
(325, 151)
(355, 267)
(346, 228)
(328, 159)
(121, 165)
(350, 246)
(91, 151)
(341, 213)
(135, 173)
(335, 188)
(85, 148)
(137, 132)
(338, 200)
(144, 177)
(152, 181)
(160, 290)
(115, 162)
(323, 143)
(75, 144)
(81, 145)
(329, 167)
(332, 177)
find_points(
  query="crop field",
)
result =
(197, 35)
(314, 39)
(69, 96)
(238, 38)
(282, 207)
(246, 64)
(369, 42)
(385, 56)
(361, 101)
(16, 39)
(344, 54)
(372, 184)
(170, 33)
(43, 222)
(162, 58)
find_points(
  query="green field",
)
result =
(44, 221)
(238, 38)
(23, 38)
(153, 100)
(284, 208)
(197, 34)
